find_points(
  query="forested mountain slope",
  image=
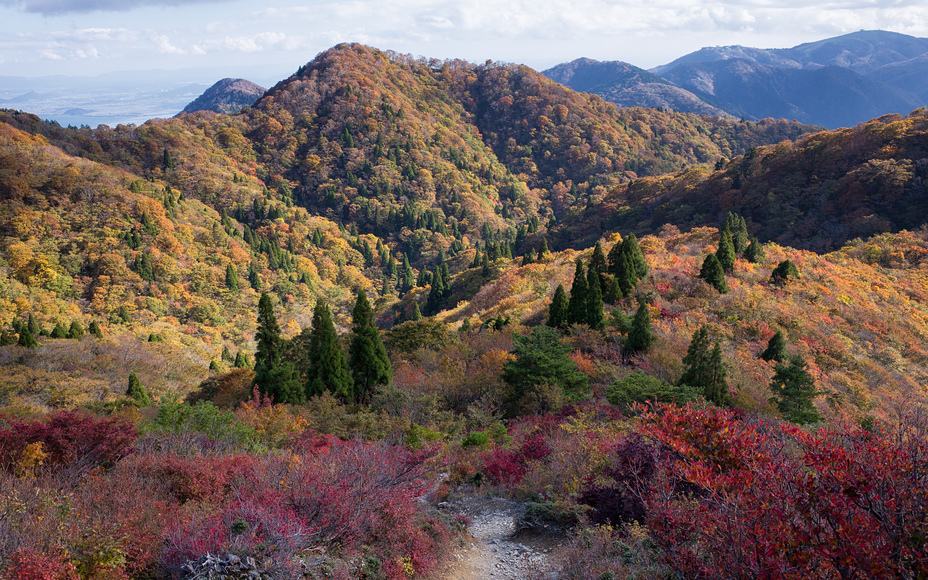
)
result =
(814, 193)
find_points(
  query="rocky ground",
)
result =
(495, 549)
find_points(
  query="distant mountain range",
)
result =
(834, 82)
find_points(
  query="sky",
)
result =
(91, 37)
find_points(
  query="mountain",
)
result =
(831, 96)
(227, 96)
(628, 86)
(834, 82)
(817, 193)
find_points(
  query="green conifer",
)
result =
(705, 369)
(26, 339)
(557, 311)
(273, 376)
(594, 301)
(231, 278)
(630, 246)
(95, 329)
(76, 331)
(59, 331)
(755, 253)
(793, 389)
(713, 273)
(783, 272)
(577, 305)
(776, 348)
(416, 313)
(137, 392)
(33, 325)
(368, 360)
(328, 370)
(726, 251)
(640, 336)
(626, 275)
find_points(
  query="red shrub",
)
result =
(70, 441)
(30, 564)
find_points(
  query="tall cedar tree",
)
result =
(713, 273)
(434, 302)
(541, 359)
(705, 369)
(640, 335)
(793, 389)
(33, 325)
(626, 275)
(368, 360)
(328, 368)
(594, 300)
(231, 278)
(407, 278)
(273, 376)
(739, 231)
(598, 264)
(776, 348)
(136, 391)
(755, 253)
(726, 251)
(557, 312)
(577, 306)
(634, 253)
(59, 331)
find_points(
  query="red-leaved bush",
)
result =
(70, 441)
(774, 501)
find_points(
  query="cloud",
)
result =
(59, 7)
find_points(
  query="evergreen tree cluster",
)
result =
(321, 358)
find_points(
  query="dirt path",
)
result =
(494, 550)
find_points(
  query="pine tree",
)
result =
(640, 336)
(241, 361)
(705, 369)
(328, 370)
(594, 301)
(273, 376)
(136, 391)
(793, 389)
(416, 313)
(95, 329)
(776, 348)
(713, 273)
(368, 360)
(577, 305)
(726, 251)
(755, 253)
(231, 278)
(557, 312)
(541, 360)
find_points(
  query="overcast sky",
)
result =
(89, 37)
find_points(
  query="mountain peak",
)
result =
(228, 96)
